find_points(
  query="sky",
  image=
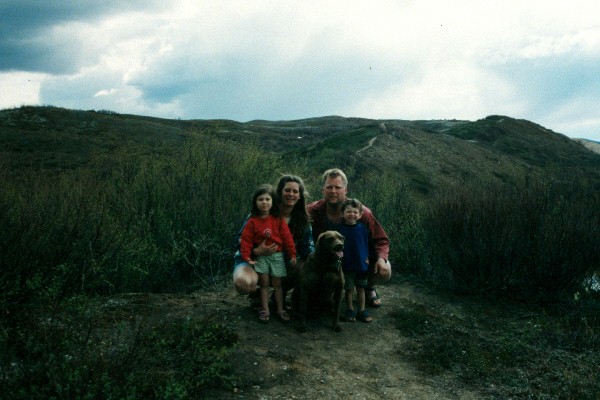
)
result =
(284, 60)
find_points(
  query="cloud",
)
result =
(41, 36)
(23, 87)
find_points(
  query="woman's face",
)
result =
(290, 194)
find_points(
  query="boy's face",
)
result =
(351, 215)
(264, 203)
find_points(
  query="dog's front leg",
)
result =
(303, 298)
(337, 302)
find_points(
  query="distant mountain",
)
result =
(427, 154)
(590, 144)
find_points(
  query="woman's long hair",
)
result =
(299, 217)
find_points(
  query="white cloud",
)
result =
(446, 91)
(20, 88)
(106, 92)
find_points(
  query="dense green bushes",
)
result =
(131, 224)
(69, 355)
(159, 222)
(527, 239)
(152, 223)
(530, 239)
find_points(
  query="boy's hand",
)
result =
(293, 262)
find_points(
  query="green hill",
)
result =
(426, 154)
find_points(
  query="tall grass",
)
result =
(152, 223)
(132, 224)
(532, 239)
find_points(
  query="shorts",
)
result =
(238, 262)
(358, 279)
(272, 265)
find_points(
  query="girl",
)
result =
(265, 224)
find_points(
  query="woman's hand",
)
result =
(263, 250)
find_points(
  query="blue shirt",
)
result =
(356, 247)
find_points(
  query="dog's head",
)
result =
(330, 244)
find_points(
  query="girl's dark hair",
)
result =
(265, 189)
(299, 218)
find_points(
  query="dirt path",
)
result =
(273, 361)
(368, 145)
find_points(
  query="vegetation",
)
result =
(508, 350)
(533, 239)
(70, 355)
(100, 203)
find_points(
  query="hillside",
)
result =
(428, 155)
(116, 247)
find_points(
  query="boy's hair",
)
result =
(335, 173)
(264, 189)
(350, 202)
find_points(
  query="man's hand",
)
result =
(381, 268)
(263, 250)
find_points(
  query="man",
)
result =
(327, 215)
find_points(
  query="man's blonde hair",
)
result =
(335, 173)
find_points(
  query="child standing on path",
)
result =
(356, 259)
(265, 223)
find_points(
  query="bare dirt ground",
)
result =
(273, 361)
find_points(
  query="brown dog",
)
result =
(321, 283)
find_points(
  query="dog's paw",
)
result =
(337, 328)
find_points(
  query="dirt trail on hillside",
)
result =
(368, 145)
(273, 361)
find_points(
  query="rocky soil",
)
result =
(273, 361)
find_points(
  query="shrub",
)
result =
(153, 222)
(76, 353)
(532, 239)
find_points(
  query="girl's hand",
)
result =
(251, 262)
(293, 262)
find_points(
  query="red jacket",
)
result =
(274, 229)
(379, 244)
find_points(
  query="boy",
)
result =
(356, 259)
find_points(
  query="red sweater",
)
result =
(274, 229)
(379, 244)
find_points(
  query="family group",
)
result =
(280, 233)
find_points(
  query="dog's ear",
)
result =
(323, 236)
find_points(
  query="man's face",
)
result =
(334, 191)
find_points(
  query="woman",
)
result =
(291, 199)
